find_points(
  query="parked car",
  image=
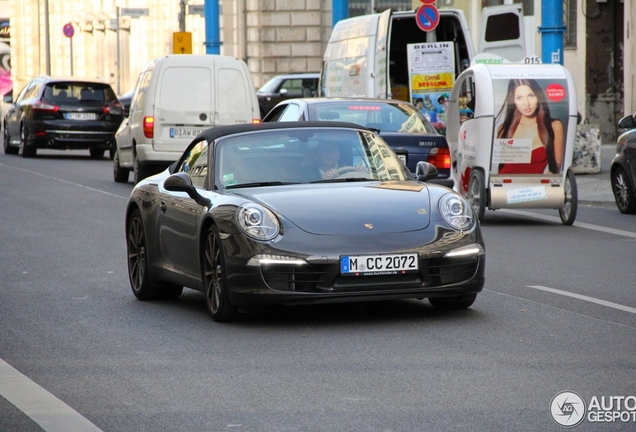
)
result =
(125, 100)
(283, 87)
(62, 114)
(165, 114)
(623, 168)
(399, 123)
(248, 216)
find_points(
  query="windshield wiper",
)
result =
(342, 180)
(257, 184)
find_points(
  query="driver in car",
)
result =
(327, 158)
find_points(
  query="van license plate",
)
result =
(373, 265)
(184, 132)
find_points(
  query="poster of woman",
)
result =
(530, 125)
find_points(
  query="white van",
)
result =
(378, 55)
(176, 98)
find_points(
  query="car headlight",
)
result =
(257, 222)
(456, 211)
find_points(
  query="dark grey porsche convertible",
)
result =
(298, 213)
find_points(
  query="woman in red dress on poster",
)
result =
(527, 116)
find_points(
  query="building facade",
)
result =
(283, 36)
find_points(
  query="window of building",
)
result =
(569, 21)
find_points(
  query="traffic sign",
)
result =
(427, 17)
(182, 43)
(68, 30)
(135, 12)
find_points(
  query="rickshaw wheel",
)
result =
(477, 193)
(568, 212)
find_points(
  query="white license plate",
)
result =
(184, 132)
(402, 157)
(374, 265)
(80, 116)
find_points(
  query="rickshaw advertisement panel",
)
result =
(531, 120)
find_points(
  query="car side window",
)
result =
(195, 164)
(293, 86)
(142, 87)
(291, 113)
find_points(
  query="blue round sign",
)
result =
(427, 17)
(68, 30)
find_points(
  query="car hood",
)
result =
(349, 209)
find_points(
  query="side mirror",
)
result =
(8, 98)
(425, 171)
(181, 182)
(283, 92)
(627, 122)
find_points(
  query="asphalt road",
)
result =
(78, 352)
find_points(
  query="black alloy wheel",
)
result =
(138, 273)
(623, 192)
(214, 278)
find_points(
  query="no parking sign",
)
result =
(68, 30)
(427, 15)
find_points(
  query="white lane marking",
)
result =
(585, 298)
(64, 181)
(576, 224)
(50, 413)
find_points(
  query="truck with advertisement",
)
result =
(388, 55)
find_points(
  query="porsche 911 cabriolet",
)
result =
(299, 213)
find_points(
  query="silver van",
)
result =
(176, 98)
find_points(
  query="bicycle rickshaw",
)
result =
(511, 130)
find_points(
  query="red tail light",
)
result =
(149, 127)
(115, 109)
(440, 157)
(42, 106)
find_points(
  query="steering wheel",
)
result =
(350, 171)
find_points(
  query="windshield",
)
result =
(305, 155)
(383, 116)
(270, 86)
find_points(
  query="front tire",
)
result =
(8, 149)
(623, 192)
(214, 278)
(477, 193)
(97, 153)
(138, 273)
(140, 172)
(453, 303)
(120, 175)
(570, 207)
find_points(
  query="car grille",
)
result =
(444, 271)
(293, 278)
(326, 278)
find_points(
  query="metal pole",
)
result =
(552, 30)
(118, 51)
(70, 41)
(212, 32)
(47, 37)
(339, 10)
(182, 15)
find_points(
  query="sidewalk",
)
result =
(595, 189)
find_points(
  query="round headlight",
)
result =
(456, 211)
(257, 222)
